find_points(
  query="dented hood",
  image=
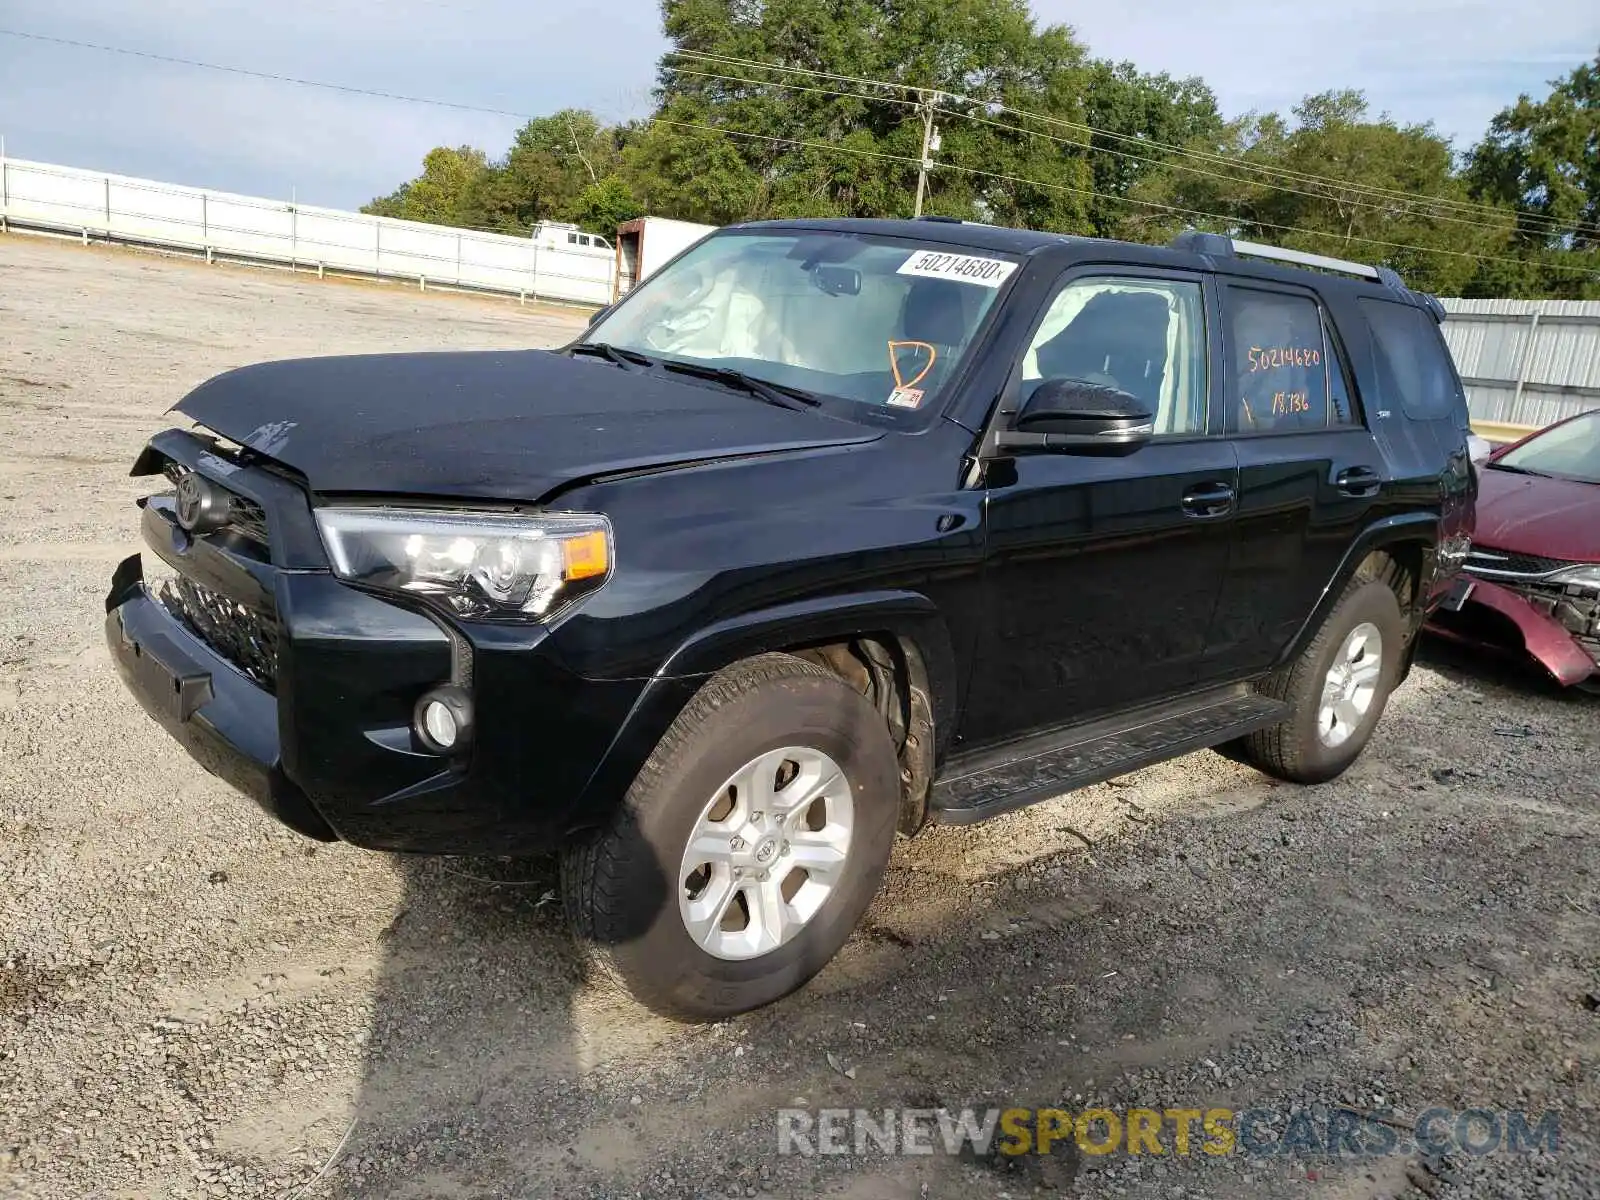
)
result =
(503, 425)
(1534, 514)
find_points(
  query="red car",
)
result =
(1533, 576)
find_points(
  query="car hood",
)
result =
(1533, 514)
(512, 425)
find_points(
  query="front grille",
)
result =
(246, 638)
(247, 520)
(1493, 563)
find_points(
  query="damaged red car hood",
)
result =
(1534, 514)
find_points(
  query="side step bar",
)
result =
(990, 782)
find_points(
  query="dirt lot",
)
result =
(195, 1002)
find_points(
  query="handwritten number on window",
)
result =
(1277, 357)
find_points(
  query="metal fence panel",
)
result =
(1526, 362)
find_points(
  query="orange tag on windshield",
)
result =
(900, 381)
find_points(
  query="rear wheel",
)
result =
(1337, 689)
(748, 848)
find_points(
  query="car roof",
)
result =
(974, 235)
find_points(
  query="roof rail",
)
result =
(1217, 244)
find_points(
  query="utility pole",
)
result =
(930, 144)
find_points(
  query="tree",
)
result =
(1135, 117)
(1542, 159)
(605, 205)
(550, 165)
(1334, 182)
(816, 108)
(800, 144)
(690, 173)
(440, 193)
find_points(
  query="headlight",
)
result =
(488, 565)
(1579, 576)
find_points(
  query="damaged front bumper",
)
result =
(1498, 617)
(225, 722)
(301, 691)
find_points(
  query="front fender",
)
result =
(908, 617)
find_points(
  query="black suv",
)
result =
(829, 530)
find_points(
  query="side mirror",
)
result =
(1073, 417)
(597, 314)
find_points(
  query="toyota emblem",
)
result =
(199, 508)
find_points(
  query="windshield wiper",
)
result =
(780, 394)
(626, 359)
(1496, 466)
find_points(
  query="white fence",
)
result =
(92, 204)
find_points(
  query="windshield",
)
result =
(878, 321)
(1569, 451)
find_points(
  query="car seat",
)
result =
(1118, 340)
(934, 311)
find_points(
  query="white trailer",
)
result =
(643, 245)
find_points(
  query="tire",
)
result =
(622, 886)
(1302, 749)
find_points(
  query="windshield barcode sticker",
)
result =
(963, 268)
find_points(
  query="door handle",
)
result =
(1358, 481)
(1208, 500)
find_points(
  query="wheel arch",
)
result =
(894, 646)
(1400, 550)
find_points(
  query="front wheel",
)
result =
(1336, 689)
(747, 849)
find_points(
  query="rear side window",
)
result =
(1287, 375)
(1412, 361)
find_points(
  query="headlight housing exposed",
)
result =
(478, 565)
(1585, 577)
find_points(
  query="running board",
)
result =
(990, 782)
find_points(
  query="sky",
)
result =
(1453, 62)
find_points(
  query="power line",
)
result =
(1093, 131)
(1062, 187)
(751, 62)
(1373, 204)
(316, 83)
(1344, 186)
(1233, 220)
(796, 87)
(1235, 163)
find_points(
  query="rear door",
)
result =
(1421, 418)
(1309, 469)
(1102, 574)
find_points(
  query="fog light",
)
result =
(443, 720)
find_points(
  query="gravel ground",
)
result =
(195, 1002)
